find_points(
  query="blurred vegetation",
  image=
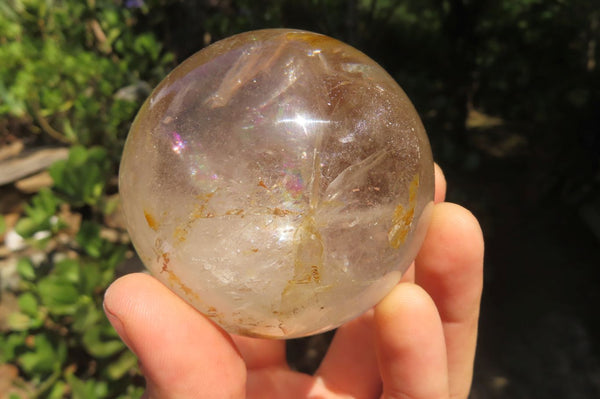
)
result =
(73, 73)
(511, 81)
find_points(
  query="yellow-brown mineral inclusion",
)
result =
(279, 181)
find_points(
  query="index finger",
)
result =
(440, 184)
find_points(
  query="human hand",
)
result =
(418, 342)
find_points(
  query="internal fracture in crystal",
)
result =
(279, 181)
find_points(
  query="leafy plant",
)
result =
(65, 77)
(59, 337)
(79, 84)
(82, 178)
(39, 214)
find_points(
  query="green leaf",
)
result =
(45, 203)
(91, 278)
(26, 269)
(68, 269)
(18, 321)
(102, 341)
(77, 155)
(132, 392)
(2, 224)
(116, 256)
(58, 391)
(82, 177)
(59, 295)
(56, 171)
(124, 364)
(110, 205)
(28, 304)
(39, 214)
(26, 227)
(9, 344)
(86, 316)
(68, 131)
(45, 356)
(89, 239)
(90, 389)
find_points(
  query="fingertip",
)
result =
(407, 300)
(440, 184)
(454, 242)
(123, 302)
(410, 344)
(450, 262)
(116, 298)
(463, 218)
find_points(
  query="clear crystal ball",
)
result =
(279, 181)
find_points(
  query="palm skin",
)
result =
(418, 342)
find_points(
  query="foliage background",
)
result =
(509, 91)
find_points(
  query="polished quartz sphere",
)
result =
(279, 181)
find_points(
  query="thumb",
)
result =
(182, 353)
